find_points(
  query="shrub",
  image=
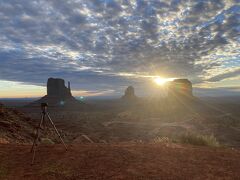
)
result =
(3, 172)
(165, 139)
(46, 141)
(162, 140)
(201, 140)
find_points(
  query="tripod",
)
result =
(42, 122)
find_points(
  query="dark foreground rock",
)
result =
(16, 127)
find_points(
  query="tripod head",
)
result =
(44, 107)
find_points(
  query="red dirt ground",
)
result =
(119, 161)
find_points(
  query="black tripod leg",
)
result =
(37, 132)
(33, 149)
(56, 130)
(34, 152)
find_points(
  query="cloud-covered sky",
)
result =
(106, 45)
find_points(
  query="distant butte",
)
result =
(180, 88)
(129, 94)
(58, 95)
(56, 88)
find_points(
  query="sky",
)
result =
(103, 46)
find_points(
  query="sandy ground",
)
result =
(119, 161)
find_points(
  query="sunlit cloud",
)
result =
(83, 93)
(110, 44)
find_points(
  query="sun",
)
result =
(161, 81)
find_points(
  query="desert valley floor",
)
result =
(119, 161)
(115, 141)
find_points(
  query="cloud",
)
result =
(217, 92)
(94, 42)
(226, 75)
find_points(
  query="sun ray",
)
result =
(161, 81)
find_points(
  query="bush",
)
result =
(165, 139)
(46, 141)
(201, 140)
(162, 140)
(3, 172)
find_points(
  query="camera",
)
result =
(44, 105)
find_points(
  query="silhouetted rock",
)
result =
(58, 95)
(56, 87)
(180, 88)
(129, 94)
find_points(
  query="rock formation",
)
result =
(15, 127)
(18, 128)
(129, 94)
(56, 87)
(180, 88)
(58, 95)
